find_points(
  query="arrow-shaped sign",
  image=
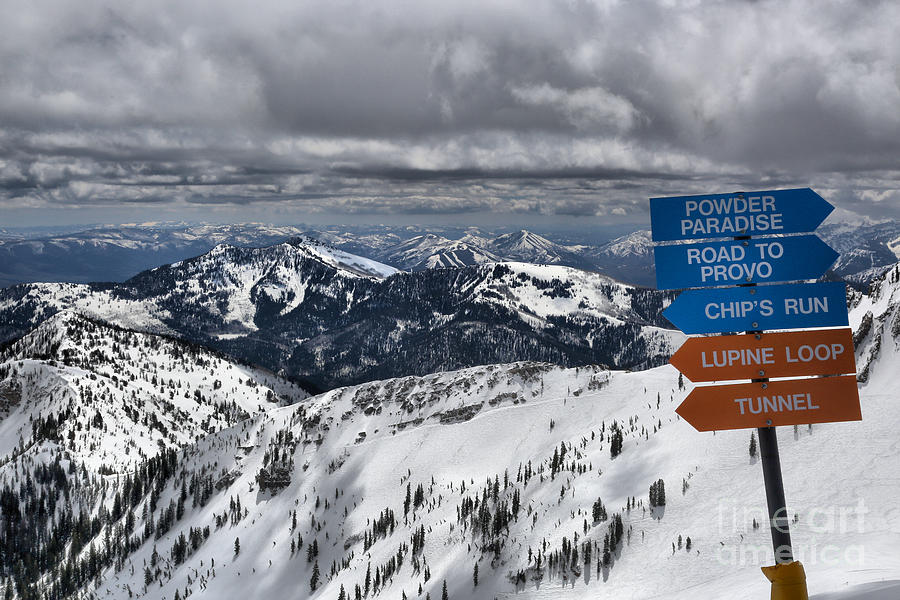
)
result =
(735, 214)
(761, 260)
(773, 403)
(793, 306)
(755, 356)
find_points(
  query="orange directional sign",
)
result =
(773, 403)
(756, 356)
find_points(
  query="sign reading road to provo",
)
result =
(755, 356)
(736, 214)
(793, 306)
(771, 404)
(763, 260)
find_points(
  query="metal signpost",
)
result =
(741, 263)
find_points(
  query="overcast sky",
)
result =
(565, 109)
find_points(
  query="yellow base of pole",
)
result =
(788, 581)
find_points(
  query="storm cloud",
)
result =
(565, 107)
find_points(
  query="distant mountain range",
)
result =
(118, 253)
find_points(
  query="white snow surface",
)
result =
(148, 392)
(354, 450)
(832, 470)
(357, 265)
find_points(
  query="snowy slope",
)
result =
(344, 261)
(344, 459)
(875, 319)
(123, 395)
(355, 450)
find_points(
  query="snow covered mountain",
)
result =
(876, 320)
(115, 253)
(431, 251)
(627, 258)
(223, 288)
(519, 480)
(115, 397)
(866, 249)
(527, 246)
(330, 318)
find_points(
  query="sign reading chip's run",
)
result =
(791, 306)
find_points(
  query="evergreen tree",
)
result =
(314, 580)
(687, 543)
(237, 546)
(475, 575)
(598, 511)
(408, 500)
(657, 493)
(615, 442)
(752, 445)
(444, 592)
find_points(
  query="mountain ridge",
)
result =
(284, 308)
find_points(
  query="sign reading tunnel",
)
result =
(771, 404)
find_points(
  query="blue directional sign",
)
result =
(759, 260)
(751, 308)
(739, 213)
